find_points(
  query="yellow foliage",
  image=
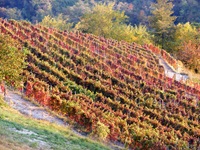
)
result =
(184, 33)
(102, 130)
(59, 22)
(107, 22)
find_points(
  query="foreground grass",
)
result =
(20, 132)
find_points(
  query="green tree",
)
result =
(161, 21)
(137, 34)
(76, 11)
(12, 61)
(142, 35)
(101, 20)
(185, 33)
(58, 22)
(10, 13)
(107, 22)
(41, 8)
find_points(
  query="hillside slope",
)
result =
(19, 132)
(113, 90)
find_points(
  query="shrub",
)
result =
(102, 130)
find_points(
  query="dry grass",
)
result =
(46, 135)
(192, 75)
(6, 144)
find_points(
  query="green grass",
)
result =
(22, 130)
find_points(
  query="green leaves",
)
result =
(161, 21)
(107, 22)
(185, 33)
(162, 18)
(12, 61)
(102, 19)
(102, 131)
(58, 22)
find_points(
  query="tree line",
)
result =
(136, 10)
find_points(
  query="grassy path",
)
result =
(23, 132)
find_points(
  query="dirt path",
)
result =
(28, 108)
(169, 72)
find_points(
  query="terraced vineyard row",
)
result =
(96, 81)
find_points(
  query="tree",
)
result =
(76, 11)
(184, 34)
(162, 21)
(12, 61)
(190, 56)
(142, 35)
(137, 34)
(187, 41)
(101, 20)
(187, 10)
(10, 13)
(107, 22)
(58, 22)
(41, 8)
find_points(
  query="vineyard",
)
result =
(114, 90)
